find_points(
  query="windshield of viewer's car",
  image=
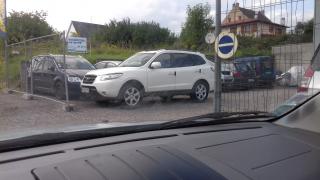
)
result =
(137, 60)
(170, 56)
(74, 63)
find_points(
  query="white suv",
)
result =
(165, 73)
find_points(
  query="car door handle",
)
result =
(198, 71)
(173, 73)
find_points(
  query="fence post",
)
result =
(6, 65)
(31, 75)
(217, 87)
(67, 107)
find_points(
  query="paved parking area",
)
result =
(17, 113)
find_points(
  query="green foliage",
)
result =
(126, 34)
(305, 30)
(23, 25)
(197, 25)
(112, 52)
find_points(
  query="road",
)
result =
(17, 113)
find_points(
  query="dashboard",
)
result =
(240, 151)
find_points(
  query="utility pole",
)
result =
(217, 87)
(316, 26)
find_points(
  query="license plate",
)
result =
(85, 90)
(250, 80)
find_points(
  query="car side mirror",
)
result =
(51, 68)
(155, 65)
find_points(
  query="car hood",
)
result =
(77, 72)
(112, 70)
(86, 127)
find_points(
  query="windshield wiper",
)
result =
(218, 118)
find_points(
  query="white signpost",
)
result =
(210, 38)
(77, 45)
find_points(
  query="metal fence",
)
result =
(24, 72)
(273, 23)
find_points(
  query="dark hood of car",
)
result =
(77, 72)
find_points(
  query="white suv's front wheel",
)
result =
(200, 91)
(132, 95)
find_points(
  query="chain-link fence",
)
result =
(274, 53)
(32, 68)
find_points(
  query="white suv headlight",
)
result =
(74, 79)
(110, 76)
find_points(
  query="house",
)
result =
(83, 29)
(246, 22)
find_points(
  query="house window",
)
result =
(271, 29)
(239, 18)
(254, 28)
(247, 29)
(233, 30)
(229, 19)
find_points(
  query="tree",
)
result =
(305, 30)
(197, 25)
(23, 25)
(126, 34)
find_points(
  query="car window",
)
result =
(110, 64)
(100, 65)
(197, 60)
(165, 60)
(182, 60)
(137, 60)
(48, 63)
(74, 62)
(38, 64)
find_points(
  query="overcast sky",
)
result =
(169, 13)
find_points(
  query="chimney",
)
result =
(283, 21)
(236, 5)
(256, 15)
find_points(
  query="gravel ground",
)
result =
(18, 114)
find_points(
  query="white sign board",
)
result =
(226, 45)
(210, 38)
(77, 44)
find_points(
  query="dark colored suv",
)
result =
(49, 74)
(254, 71)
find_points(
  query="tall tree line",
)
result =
(125, 33)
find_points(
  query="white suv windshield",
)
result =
(137, 60)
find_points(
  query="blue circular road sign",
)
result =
(226, 45)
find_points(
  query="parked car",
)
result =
(310, 82)
(165, 73)
(227, 78)
(292, 77)
(244, 75)
(107, 64)
(49, 74)
(255, 71)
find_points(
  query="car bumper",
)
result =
(102, 90)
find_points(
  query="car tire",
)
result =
(200, 91)
(59, 91)
(132, 95)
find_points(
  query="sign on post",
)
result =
(77, 45)
(210, 38)
(226, 45)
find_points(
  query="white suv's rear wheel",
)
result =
(132, 95)
(200, 91)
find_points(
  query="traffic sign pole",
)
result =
(217, 87)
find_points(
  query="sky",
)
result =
(169, 13)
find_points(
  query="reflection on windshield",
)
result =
(137, 60)
(74, 63)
